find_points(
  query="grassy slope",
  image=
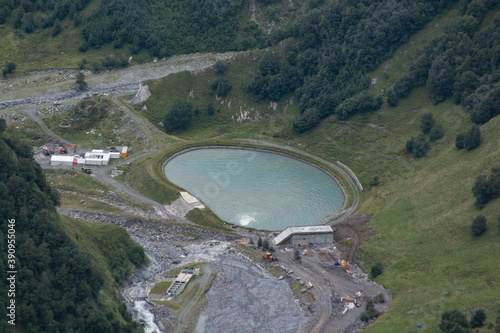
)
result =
(101, 241)
(423, 208)
(241, 69)
(39, 50)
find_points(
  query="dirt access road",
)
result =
(201, 285)
(330, 283)
(48, 86)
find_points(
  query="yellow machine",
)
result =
(269, 257)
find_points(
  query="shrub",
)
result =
(82, 63)
(472, 138)
(210, 109)
(478, 318)
(80, 84)
(259, 242)
(57, 28)
(417, 146)
(427, 122)
(370, 311)
(479, 225)
(179, 117)
(377, 269)
(265, 244)
(436, 133)
(392, 98)
(375, 181)
(380, 298)
(459, 141)
(221, 67)
(83, 47)
(9, 68)
(221, 87)
(296, 255)
(453, 321)
(403, 86)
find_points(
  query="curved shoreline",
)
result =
(330, 175)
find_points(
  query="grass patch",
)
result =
(205, 217)
(39, 50)
(76, 181)
(101, 241)
(196, 88)
(161, 288)
(70, 201)
(146, 177)
(170, 305)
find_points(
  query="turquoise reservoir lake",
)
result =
(256, 189)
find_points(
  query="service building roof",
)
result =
(311, 229)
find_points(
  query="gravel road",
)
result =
(47, 86)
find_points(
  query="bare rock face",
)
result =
(142, 95)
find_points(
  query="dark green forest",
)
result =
(57, 285)
(163, 28)
(336, 43)
(30, 15)
(173, 27)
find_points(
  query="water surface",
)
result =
(256, 189)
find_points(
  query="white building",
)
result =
(66, 160)
(313, 234)
(97, 158)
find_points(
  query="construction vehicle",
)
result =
(348, 299)
(64, 150)
(87, 170)
(45, 150)
(269, 257)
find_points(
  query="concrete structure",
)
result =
(314, 234)
(192, 201)
(180, 282)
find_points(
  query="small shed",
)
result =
(124, 152)
(313, 234)
(64, 160)
(114, 154)
(97, 158)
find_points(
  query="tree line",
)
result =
(334, 44)
(162, 28)
(57, 285)
(462, 64)
(29, 15)
(172, 27)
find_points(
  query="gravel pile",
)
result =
(244, 298)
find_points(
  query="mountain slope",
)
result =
(54, 285)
